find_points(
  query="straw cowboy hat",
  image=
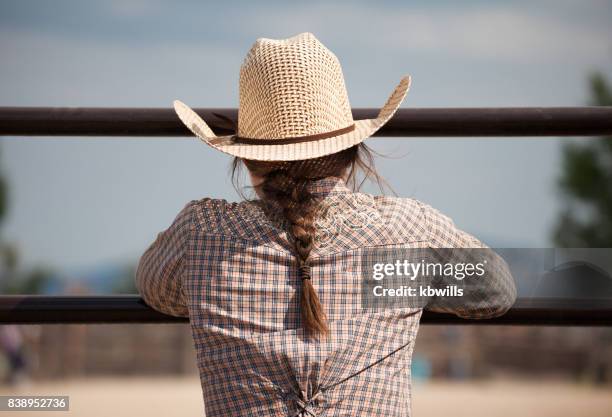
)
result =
(293, 104)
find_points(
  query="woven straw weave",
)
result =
(292, 88)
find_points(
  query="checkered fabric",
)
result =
(230, 268)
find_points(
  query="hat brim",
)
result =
(297, 151)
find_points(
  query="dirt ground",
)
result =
(181, 396)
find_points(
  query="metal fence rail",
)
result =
(520, 121)
(415, 122)
(132, 309)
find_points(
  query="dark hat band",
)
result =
(297, 139)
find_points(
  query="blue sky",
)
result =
(79, 202)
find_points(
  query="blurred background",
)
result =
(76, 213)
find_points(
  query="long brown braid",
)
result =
(286, 184)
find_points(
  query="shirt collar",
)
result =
(321, 187)
(329, 185)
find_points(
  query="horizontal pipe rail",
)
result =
(415, 122)
(25, 309)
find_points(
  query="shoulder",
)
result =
(400, 207)
(216, 215)
(409, 214)
(443, 232)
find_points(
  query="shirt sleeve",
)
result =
(160, 270)
(488, 296)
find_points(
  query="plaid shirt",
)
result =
(230, 268)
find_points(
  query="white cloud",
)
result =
(56, 70)
(491, 32)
